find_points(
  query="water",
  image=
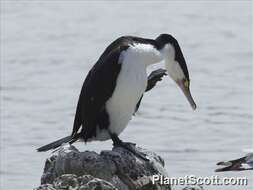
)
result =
(47, 49)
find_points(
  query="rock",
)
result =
(193, 187)
(119, 169)
(71, 181)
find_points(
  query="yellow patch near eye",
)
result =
(186, 83)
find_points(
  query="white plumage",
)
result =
(131, 84)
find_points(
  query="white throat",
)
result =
(172, 66)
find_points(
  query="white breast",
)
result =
(131, 84)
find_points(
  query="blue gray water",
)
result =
(48, 47)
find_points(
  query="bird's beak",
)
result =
(186, 90)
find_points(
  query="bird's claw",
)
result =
(131, 148)
(154, 77)
(159, 73)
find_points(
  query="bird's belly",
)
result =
(130, 86)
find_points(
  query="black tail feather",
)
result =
(55, 144)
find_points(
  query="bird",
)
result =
(240, 164)
(114, 87)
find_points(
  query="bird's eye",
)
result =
(186, 83)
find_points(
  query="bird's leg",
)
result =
(118, 142)
(154, 77)
(128, 146)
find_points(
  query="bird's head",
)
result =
(175, 64)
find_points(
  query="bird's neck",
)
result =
(145, 54)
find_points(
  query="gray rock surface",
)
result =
(119, 169)
(193, 187)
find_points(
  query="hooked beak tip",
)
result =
(194, 106)
(187, 94)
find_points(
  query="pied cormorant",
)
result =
(114, 87)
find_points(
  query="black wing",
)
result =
(96, 90)
(153, 78)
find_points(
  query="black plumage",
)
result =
(96, 90)
(98, 87)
